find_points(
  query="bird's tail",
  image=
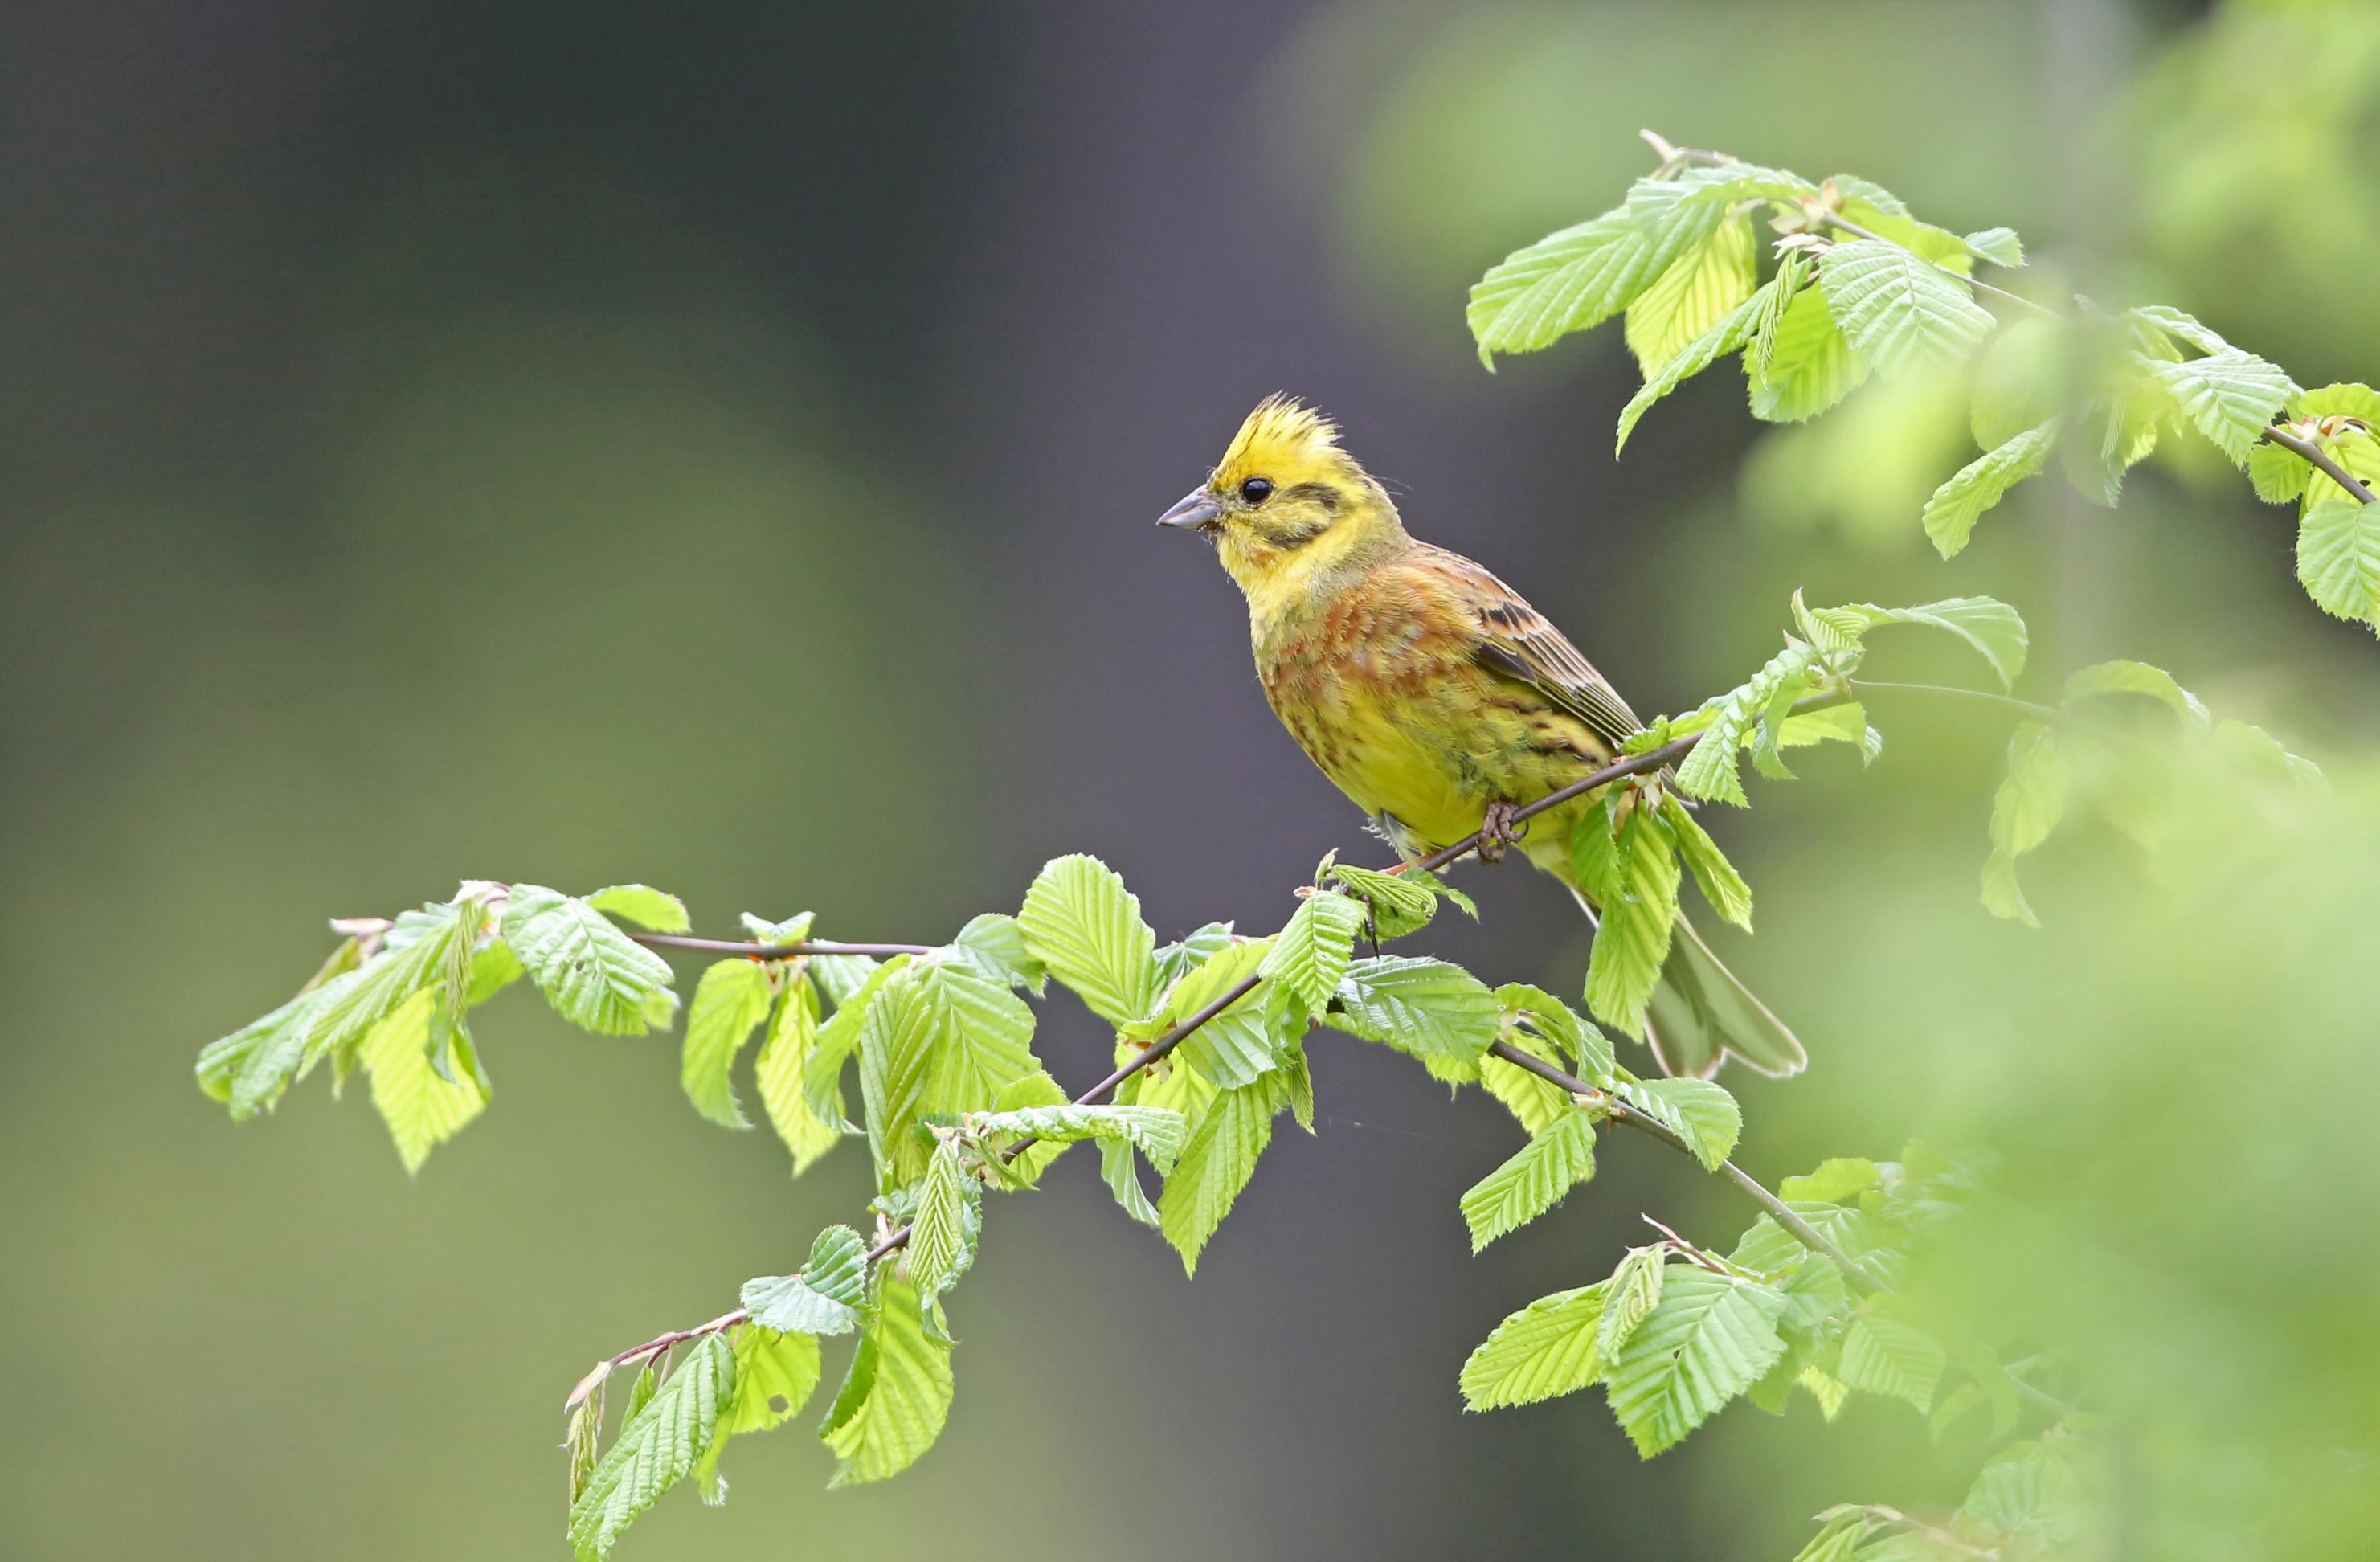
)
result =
(1701, 1012)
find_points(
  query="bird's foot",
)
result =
(1499, 830)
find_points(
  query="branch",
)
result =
(1809, 1236)
(1675, 157)
(1155, 1052)
(1619, 1110)
(2322, 459)
(1636, 765)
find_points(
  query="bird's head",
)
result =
(1286, 507)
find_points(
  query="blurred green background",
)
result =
(716, 447)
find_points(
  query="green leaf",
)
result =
(1544, 1350)
(1838, 1542)
(939, 1037)
(1639, 907)
(1697, 1111)
(784, 1063)
(2279, 473)
(1725, 335)
(775, 1375)
(1699, 289)
(1080, 922)
(1808, 367)
(1425, 1008)
(899, 1038)
(1116, 1169)
(1534, 1102)
(1177, 959)
(1723, 887)
(896, 1397)
(251, 1068)
(1710, 1338)
(2254, 749)
(729, 1003)
(592, 974)
(435, 953)
(1888, 1357)
(1950, 515)
(996, 943)
(2338, 558)
(2231, 396)
(422, 1109)
(1231, 1049)
(825, 1298)
(1995, 629)
(2174, 322)
(1999, 246)
(1567, 281)
(2136, 678)
(991, 1030)
(1629, 1296)
(841, 978)
(1154, 1131)
(2031, 800)
(1297, 1080)
(1215, 1164)
(1583, 275)
(1035, 1092)
(1398, 903)
(1711, 770)
(1532, 1182)
(822, 1075)
(1586, 1051)
(655, 1448)
(1310, 955)
(1836, 1181)
(644, 905)
(1899, 312)
(938, 1238)
(2028, 1488)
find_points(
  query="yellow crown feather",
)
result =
(1283, 439)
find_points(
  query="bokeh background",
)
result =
(716, 446)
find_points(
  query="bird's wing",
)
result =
(1516, 641)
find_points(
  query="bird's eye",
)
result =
(1256, 490)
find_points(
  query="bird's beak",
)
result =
(1197, 510)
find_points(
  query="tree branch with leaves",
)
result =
(1211, 1034)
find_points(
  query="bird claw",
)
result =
(1499, 830)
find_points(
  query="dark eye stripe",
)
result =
(1322, 494)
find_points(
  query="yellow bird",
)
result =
(1431, 694)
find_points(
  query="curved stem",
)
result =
(1619, 1110)
(899, 1238)
(1636, 765)
(2322, 459)
(1809, 1236)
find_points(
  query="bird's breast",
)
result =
(1364, 693)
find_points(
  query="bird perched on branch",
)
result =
(1432, 694)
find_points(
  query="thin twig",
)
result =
(1155, 1052)
(1636, 765)
(2322, 459)
(1616, 1110)
(1809, 1236)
